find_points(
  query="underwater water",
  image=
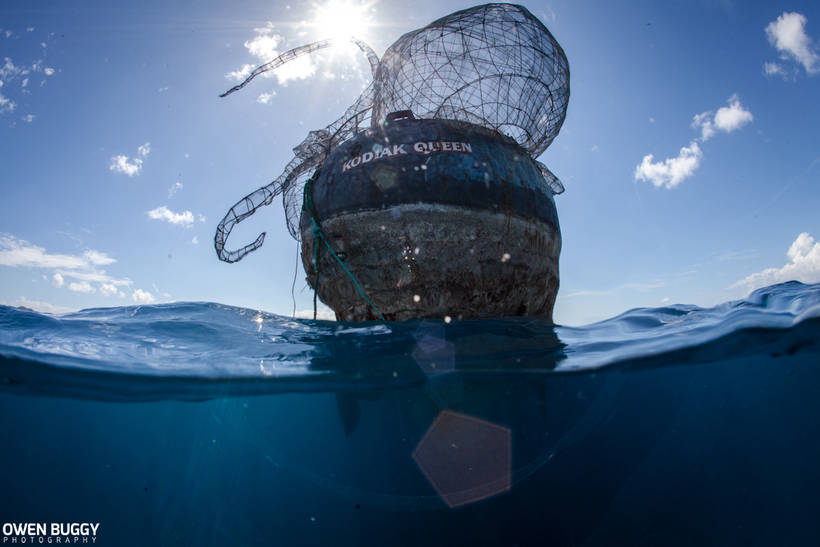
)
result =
(206, 424)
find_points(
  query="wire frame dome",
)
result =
(494, 65)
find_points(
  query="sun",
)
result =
(342, 19)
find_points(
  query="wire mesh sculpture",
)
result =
(494, 65)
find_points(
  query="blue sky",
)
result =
(690, 151)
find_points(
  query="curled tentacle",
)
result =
(307, 155)
(244, 208)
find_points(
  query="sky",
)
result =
(690, 151)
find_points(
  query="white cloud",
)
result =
(125, 165)
(98, 258)
(83, 287)
(803, 265)
(18, 253)
(142, 297)
(727, 119)
(6, 104)
(195, 240)
(265, 98)
(704, 122)
(264, 46)
(773, 69)
(201, 218)
(733, 117)
(788, 35)
(108, 289)
(185, 218)
(671, 171)
(130, 166)
(10, 72)
(298, 69)
(175, 187)
(240, 74)
(95, 276)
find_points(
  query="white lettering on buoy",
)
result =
(442, 146)
(400, 150)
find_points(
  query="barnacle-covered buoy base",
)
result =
(435, 219)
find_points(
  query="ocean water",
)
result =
(204, 424)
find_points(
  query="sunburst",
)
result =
(342, 19)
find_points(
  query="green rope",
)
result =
(307, 199)
(315, 269)
(318, 235)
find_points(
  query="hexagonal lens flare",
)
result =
(466, 459)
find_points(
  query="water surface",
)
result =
(200, 423)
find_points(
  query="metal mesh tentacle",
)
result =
(308, 155)
(244, 208)
(307, 49)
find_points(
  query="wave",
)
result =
(194, 350)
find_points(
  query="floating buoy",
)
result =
(435, 218)
(425, 198)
